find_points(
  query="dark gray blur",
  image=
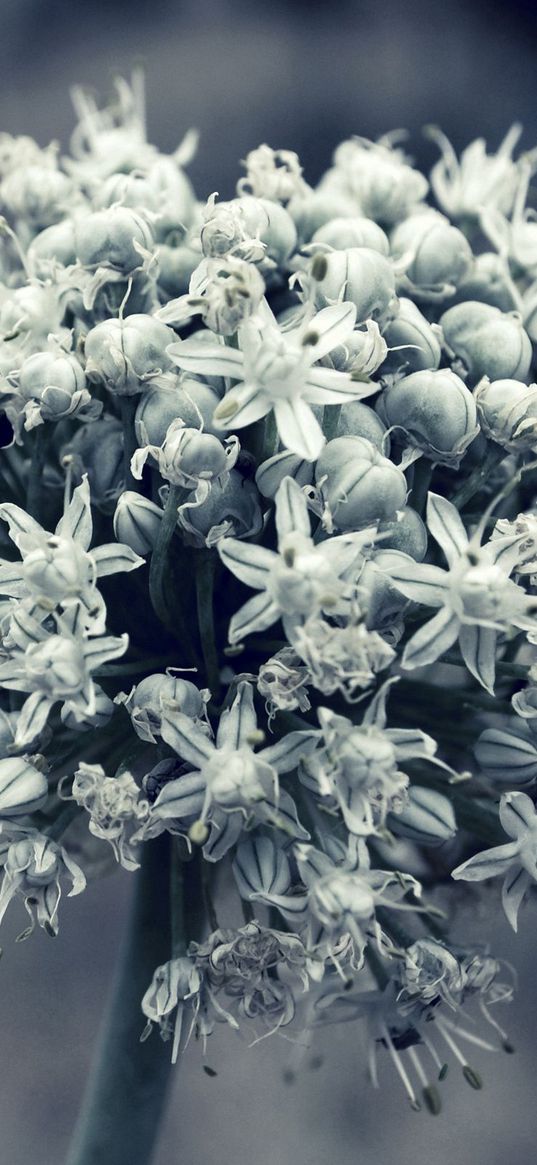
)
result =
(300, 75)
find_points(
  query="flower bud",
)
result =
(255, 229)
(176, 266)
(188, 456)
(378, 178)
(507, 412)
(38, 195)
(362, 486)
(97, 449)
(509, 757)
(343, 233)
(435, 411)
(183, 399)
(23, 787)
(231, 509)
(137, 522)
(440, 255)
(312, 209)
(427, 818)
(56, 244)
(125, 353)
(108, 238)
(407, 533)
(147, 701)
(56, 666)
(359, 420)
(488, 281)
(414, 341)
(50, 369)
(362, 353)
(271, 472)
(489, 342)
(360, 276)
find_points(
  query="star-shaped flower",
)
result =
(301, 580)
(279, 370)
(476, 598)
(516, 860)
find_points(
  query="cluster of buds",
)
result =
(315, 590)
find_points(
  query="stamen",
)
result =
(400, 1069)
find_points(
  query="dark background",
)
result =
(304, 76)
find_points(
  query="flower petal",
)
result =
(488, 864)
(183, 797)
(299, 430)
(20, 524)
(182, 735)
(418, 581)
(104, 648)
(77, 522)
(515, 884)
(251, 564)
(242, 405)
(113, 557)
(517, 814)
(478, 649)
(32, 719)
(292, 515)
(446, 527)
(207, 359)
(333, 325)
(285, 754)
(256, 615)
(239, 721)
(432, 640)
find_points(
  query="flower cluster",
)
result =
(315, 682)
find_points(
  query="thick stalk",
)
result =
(127, 1091)
(36, 488)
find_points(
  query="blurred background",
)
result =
(301, 75)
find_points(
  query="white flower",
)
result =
(516, 860)
(175, 987)
(279, 371)
(33, 867)
(115, 807)
(55, 667)
(378, 177)
(476, 598)
(463, 188)
(299, 581)
(230, 775)
(58, 570)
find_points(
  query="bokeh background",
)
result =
(302, 75)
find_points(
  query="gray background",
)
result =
(302, 76)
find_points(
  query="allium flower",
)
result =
(279, 371)
(274, 174)
(115, 807)
(33, 867)
(58, 571)
(55, 667)
(463, 188)
(224, 292)
(377, 177)
(229, 774)
(342, 659)
(516, 860)
(358, 767)
(255, 972)
(301, 580)
(175, 987)
(476, 598)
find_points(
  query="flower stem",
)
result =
(478, 477)
(127, 407)
(160, 575)
(205, 572)
(121, 1114)
(36, 488)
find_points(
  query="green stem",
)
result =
(205, 573)
(159, 570)
(423, 470)
(127, 408)
(478, 477)
(36, 489)
(121, 1115)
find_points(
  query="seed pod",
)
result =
(428, 817)
(360, 276)
(344, 233)
(362, 486)
(415, 342)
(508, 757)
(440, 254)
(137, 522)
(489, 342)
(508, 412)
(124, 354)
(435, 411)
